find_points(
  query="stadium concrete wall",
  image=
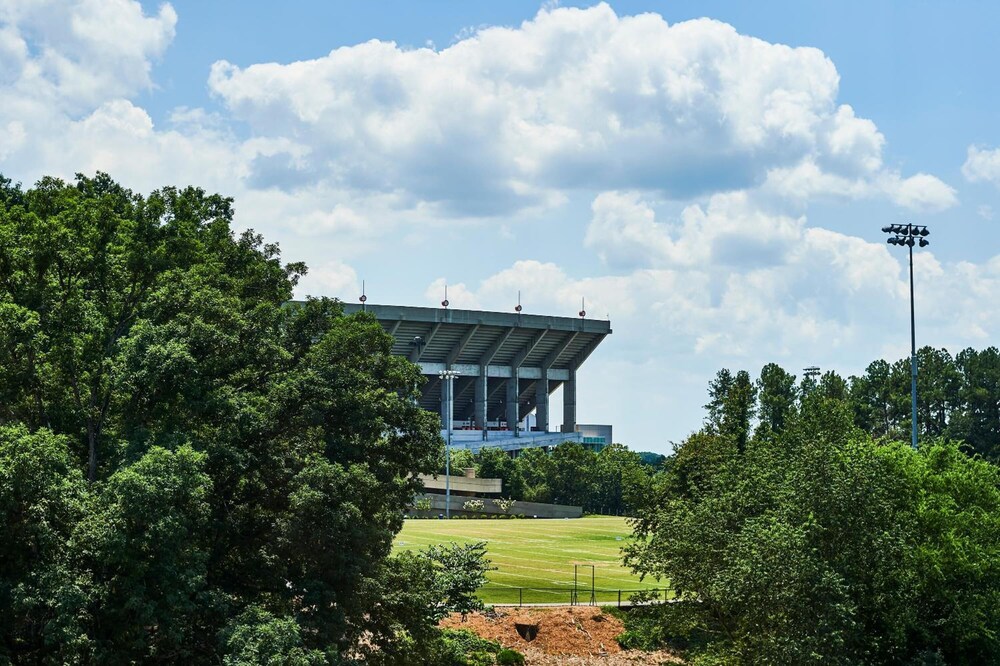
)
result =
(531, 509)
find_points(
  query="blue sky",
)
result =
(715, 187)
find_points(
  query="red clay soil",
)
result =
(577, 635)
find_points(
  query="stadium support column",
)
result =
(542, 404)
(480, 399)
(513, 399)
(569, 403)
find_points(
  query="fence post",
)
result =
(619, 598)
(520, 597)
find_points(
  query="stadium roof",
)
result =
(498, 345)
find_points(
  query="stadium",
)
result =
(505, 368)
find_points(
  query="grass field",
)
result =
(535, 558)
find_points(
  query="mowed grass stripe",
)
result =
(534, 554)
(538, 553)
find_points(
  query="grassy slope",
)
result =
(538, 554)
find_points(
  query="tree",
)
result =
(460, 460)
(977, 421)
(242, 452)
(536, 468)
(732, 405)
(571, 480)
(144, 543)
(821, 546)
(495, 463)
(938, 391)
(738, 409)
(619, 476)
(777, 394)
(461, 570)
(832, 386)
(956, 397)
(81, 266)
(42, 600)
(872, 401)
(258, 637)
(718, 393)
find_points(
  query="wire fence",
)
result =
(499, 595)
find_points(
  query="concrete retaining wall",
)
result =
(537, 509)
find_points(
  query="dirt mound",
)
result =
(565, 635)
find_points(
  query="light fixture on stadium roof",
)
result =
(909, 235)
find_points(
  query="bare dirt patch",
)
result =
(581, 635)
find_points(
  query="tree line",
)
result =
(958, 398)
(799, 526)
(572, 474)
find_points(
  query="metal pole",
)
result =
(447, 455)
(913, 360)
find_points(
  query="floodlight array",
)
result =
(907, 235)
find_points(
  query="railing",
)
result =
(498, 595)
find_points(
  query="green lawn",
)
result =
(535, 558)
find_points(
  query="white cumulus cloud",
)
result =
(574, 99)
(982, 165)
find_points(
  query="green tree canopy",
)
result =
(243, 453)
(495, 463)
(619, 476)
(572, 475)
(777, 396)
(823, 546)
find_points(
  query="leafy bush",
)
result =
(461, 570)
(473, 505)
(257, 637)
(508, 657)
(468, 649)
(467, 641)
(422, 504)
(505, 505)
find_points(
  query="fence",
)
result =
(497, 595)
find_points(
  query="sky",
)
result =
(710, 176)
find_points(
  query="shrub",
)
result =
(461, 570)
(468, 649)
(257, 637)
(473, 505)
(422, 504)
(504, 505)
(508, 657)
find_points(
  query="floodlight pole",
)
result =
(448, 386)
(910, 235)
(913, 362)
